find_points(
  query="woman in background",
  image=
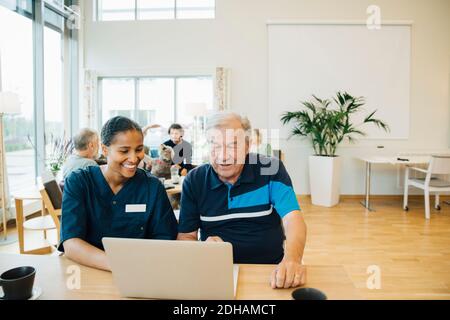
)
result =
(257, 146)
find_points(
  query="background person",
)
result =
(182, 149)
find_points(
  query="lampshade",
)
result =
(9, 102)
(196, 109)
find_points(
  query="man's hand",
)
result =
(214, 239)
(288, 274)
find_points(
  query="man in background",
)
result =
(86, 145)
(182, 149)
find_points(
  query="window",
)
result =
(30, 30)
(16, 65)
(157, 100)
(195, 9)
(118, 98)
(114, 10)
(192, 90)
(156, 9)
(53, 78)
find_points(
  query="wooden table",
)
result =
(53, 274)
(177, 189)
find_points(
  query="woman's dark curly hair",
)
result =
(115, 126)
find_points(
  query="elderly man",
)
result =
(246, 200)
(86, 144)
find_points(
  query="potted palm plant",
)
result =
(327, 125)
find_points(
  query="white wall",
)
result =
(237, 39)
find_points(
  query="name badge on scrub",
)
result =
(134, 208)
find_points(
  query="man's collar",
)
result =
(214, 180)
(247, 175)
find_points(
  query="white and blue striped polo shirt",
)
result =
(247, 214)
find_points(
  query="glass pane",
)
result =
(156, 100)
(53, 89)
(193, 91)
(114, 10)
(156, 9)
(196, 9)
(53, 20)
(57, 3)
(117, 98)
(16, 50)
(156, 106)
(194, 98)
(24, 7)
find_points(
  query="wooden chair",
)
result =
(52, 198)
(42, 223)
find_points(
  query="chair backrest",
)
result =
(54, 193)
(54, 213)
(439, 164)
(52, 197)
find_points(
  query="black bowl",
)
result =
(308, 294)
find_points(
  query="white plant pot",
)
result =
(324, 179)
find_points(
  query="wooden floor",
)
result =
(413, 254)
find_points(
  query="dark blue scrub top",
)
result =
(91, 211)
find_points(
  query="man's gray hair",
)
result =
(220, 120)
(82, 139)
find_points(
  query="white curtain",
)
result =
(90, 109)
(222, 88)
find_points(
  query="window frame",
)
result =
(98, 13)
(177, 14)
(136, 80)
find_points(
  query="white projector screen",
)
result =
(321, 59)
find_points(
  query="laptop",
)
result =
(167, 269)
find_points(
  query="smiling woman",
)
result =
(98, 201)
(123, 146)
